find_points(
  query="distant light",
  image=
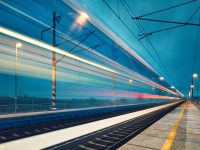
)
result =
(192, 86)
(172, 87)
(82, 19)
(18, 45)
(161, 78)
(189, 94)
(195, 75)
(130, 81)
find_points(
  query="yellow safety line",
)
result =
(169, 141)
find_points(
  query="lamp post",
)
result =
(18, 45)
(195, 76)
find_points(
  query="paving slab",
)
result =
(185, 128)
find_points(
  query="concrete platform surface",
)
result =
(178, 130)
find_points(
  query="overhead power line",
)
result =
(174, 27)
(75, 46)
(166, 21)
(168, 8)
(140, 27)
(131, 33)
(89, 48)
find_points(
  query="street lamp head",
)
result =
(18, 44)
(130, 81)
(195, 75)
(172, 87)
(161, 78)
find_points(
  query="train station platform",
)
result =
(105, 133)
(178, 130)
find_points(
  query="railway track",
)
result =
(31, 130)
(114, 136)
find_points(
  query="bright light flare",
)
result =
(172, 87)
(18, 45)
(161, 78)
(82, 19)
(192, 86)
(130, 81)
(195, 75)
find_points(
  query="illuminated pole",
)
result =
(195, 75)
(55, 19)
(192, 89)
(18, 45)
(54, 63)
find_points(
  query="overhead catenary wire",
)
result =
(49, 8)
(140, 27)
(131, 32)
(75, 46)
(166, 21)
(64, 17)
(174, 27)
(67, 20)
(60, 34)
(41, 26)
(175, 6)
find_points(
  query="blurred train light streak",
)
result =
(39, 52)
(51, 48)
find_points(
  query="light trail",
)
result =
(133, 74)
(123, 78)
(35, 59)
(51, 48)
(123, 45)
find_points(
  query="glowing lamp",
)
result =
(18, 45)
(195, 75)
(130, 81)
(161, 78)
